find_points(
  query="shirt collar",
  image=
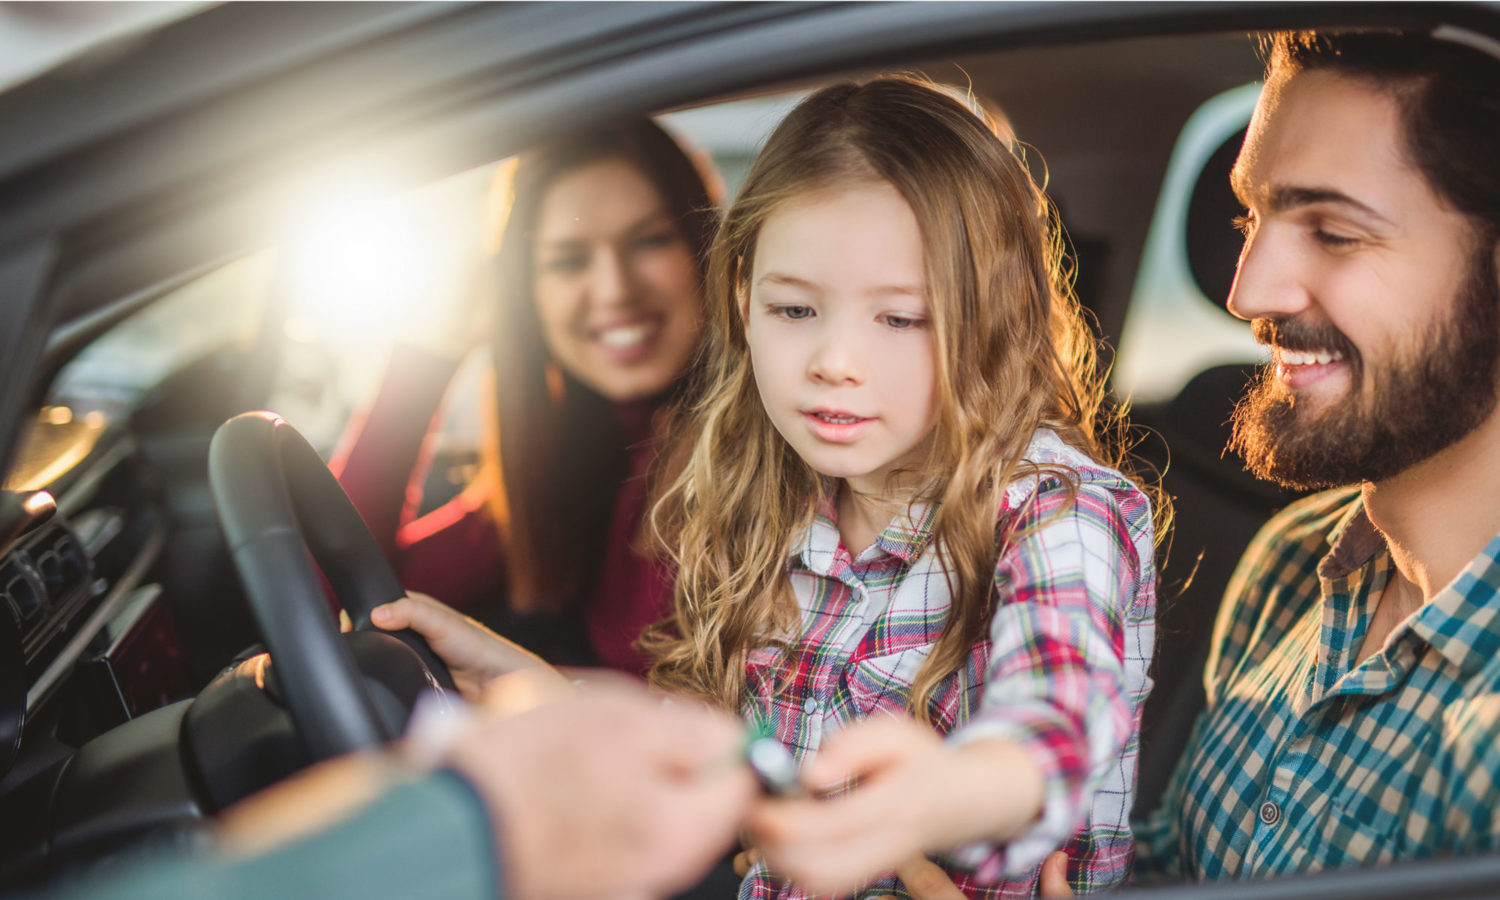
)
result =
(1462, 622)
(905, 537)
(910, 531)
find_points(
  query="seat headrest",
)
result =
(1213, 244)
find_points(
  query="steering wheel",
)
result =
(281, 510)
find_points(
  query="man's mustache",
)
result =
(1299, 335)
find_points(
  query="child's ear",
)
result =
(742, 303)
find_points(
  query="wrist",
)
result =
(991, 789)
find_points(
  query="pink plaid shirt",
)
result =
(1063, 671)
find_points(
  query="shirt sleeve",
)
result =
(1070, 640)
(428, 838)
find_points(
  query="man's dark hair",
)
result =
(1449, 95)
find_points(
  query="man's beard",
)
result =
(1419, 404)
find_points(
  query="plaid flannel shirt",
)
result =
(1063, 672)
(1303, 759)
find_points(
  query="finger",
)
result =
(926, 880)
(1054, 880)
(698, 822)
(805, 821)
(439, 623)
(744, 859)
(345, 624)
(866, 747)
(840, 866)
(392, 616)
(694, 737)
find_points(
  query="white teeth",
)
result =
(837, 420)
(1321, 357)
(623, 338)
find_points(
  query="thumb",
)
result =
(1054, 880)
(392, 616)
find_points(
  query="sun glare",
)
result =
(361, 265)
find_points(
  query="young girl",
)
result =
(894, 501)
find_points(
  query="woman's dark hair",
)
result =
(555, 452)
(1449, 95)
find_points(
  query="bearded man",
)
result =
(1353, 711)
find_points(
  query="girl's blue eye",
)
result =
(792, 312)
(904, 323)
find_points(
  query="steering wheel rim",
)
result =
(281, 510)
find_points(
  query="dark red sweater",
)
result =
(454, 553)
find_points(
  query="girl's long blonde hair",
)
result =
(1013, 355)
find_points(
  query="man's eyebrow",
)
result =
(1281, 198)
(1284, 197)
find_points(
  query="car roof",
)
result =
(130, 171)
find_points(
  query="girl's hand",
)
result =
(916, 795)
(1054, 881)
(474, 654)
(745, 860)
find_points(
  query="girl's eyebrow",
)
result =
(898, 290)
(788, 280)
(890, 290)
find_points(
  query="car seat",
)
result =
(1218, 505)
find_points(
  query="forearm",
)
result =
(429, 838)
(986, 790)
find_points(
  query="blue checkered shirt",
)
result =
(1303, 759)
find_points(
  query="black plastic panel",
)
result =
(123, 785)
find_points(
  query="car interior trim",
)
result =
(80, 492)
(119, 593)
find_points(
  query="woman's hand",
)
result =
(474, 654)
(915, 795)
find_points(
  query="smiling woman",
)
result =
(593, 293)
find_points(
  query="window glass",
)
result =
(1172, 331)
(112, 375)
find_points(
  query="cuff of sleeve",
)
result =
(1062, 757)
(483, 830)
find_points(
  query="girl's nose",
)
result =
(835, 360)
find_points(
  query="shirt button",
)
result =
(811, 705)
(1270, 813)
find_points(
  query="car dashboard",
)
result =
(85, 642)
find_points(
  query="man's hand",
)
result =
(474, 654)
(608, 792)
